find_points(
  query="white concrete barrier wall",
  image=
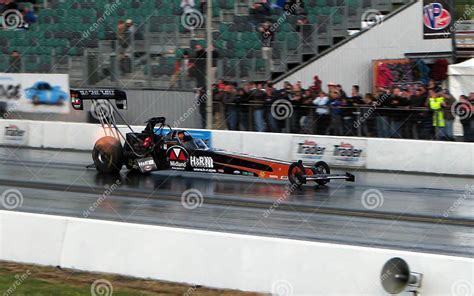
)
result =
(220, 260)
(377, 154)
(369, 153)
(421, 156)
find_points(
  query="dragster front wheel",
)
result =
(108, 155)
(296, 174)
(321, 168)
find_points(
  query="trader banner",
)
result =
(349, 152)
(35, 93)
(14, 133)
(438, 15)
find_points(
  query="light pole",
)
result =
(209, 78)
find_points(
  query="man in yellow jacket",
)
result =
(436, 103)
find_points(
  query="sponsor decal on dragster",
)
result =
(310, 150)
(204, 170)
(146, 164)
(76, 102)
(177, 157)
(346, 152)
(202, 164)
(97, 92)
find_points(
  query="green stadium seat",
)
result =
(353, 3)
(260, 65)
(45, 59)
(219, 44)
(58, 29)
(337, 19)
(241, 53)
(156, 28)
(321, 3)
(31, 67)
(170, 61)
(281, 37)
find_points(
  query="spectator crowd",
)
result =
(414, 111)
(24, 9)
(261, 20)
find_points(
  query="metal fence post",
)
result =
(113, 67)
(288, 124)
(359, 123)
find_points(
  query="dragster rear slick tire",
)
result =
(108, 155)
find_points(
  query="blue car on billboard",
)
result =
(43, 93)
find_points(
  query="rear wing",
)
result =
(79, 95)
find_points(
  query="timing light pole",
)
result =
(209, 78)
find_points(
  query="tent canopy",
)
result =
(464, 68)
(461, 78)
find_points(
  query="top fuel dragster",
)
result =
(160, 147)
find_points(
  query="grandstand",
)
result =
(149, 143)
(80, 38)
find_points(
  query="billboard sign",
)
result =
(35, 93)
(335, 151)
(438, 15)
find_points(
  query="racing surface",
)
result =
(428, 213)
